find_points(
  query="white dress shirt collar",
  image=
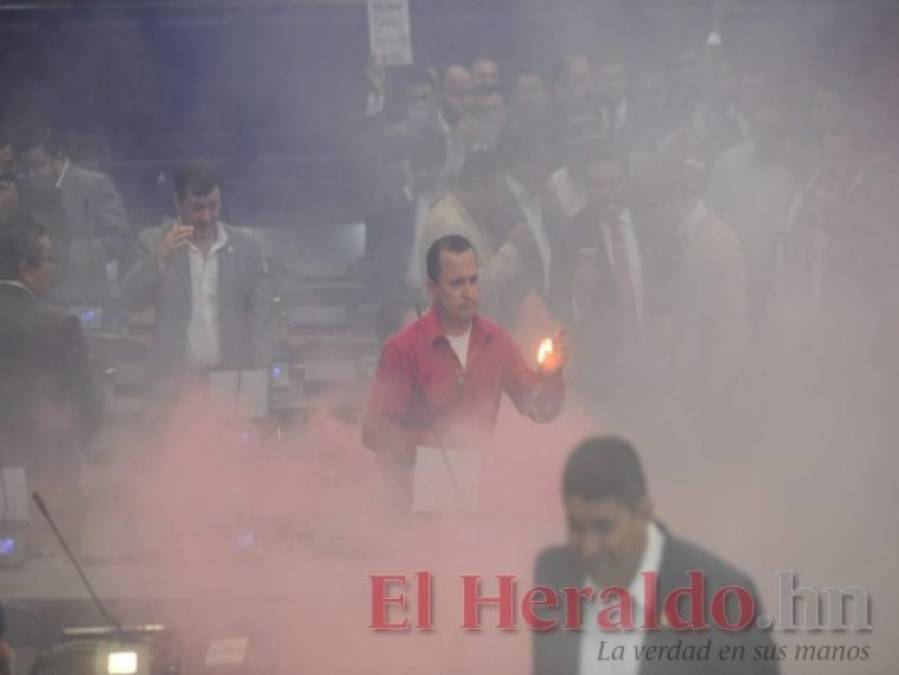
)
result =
(650, 562)
(221, 240)
(593, 639)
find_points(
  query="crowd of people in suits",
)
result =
(686, 211)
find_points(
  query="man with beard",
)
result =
(614, 542)
(208, 282)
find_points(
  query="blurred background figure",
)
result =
(397, 230)
(532, 99)
(751, 183)
(50, 405)
(575, 88)
(89, 225)
(484, 72)
(616, 261)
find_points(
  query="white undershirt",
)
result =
(203, 345)
(459, 343)
(593, 637)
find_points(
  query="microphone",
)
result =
(90, 589)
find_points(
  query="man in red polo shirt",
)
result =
(439, 380)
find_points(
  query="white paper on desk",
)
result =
(445, 480)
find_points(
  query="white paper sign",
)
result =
(445, 480)
(389, 31)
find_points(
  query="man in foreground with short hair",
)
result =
(440, 380)
(614, 542)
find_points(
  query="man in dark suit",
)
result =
(50, 406)
(208, 283)
(614, 541)
(616, 263)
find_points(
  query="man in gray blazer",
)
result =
(83, 210)
(208, 282)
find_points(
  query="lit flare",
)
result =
(545, 350)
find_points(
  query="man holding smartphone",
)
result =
(208, 283)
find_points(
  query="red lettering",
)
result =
(472, 602)
(380, 601)
(650, 601)
(573, 614)
(719, 608)
(425, 620)
(548, 598)
(695, 596)
(619, 616)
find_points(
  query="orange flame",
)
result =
(545, 350)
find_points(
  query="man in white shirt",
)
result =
(614, 541)
(208, 283)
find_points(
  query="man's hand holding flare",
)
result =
(552, 355)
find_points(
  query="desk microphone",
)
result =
(90, 589)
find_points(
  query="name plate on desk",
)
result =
(445, 480)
